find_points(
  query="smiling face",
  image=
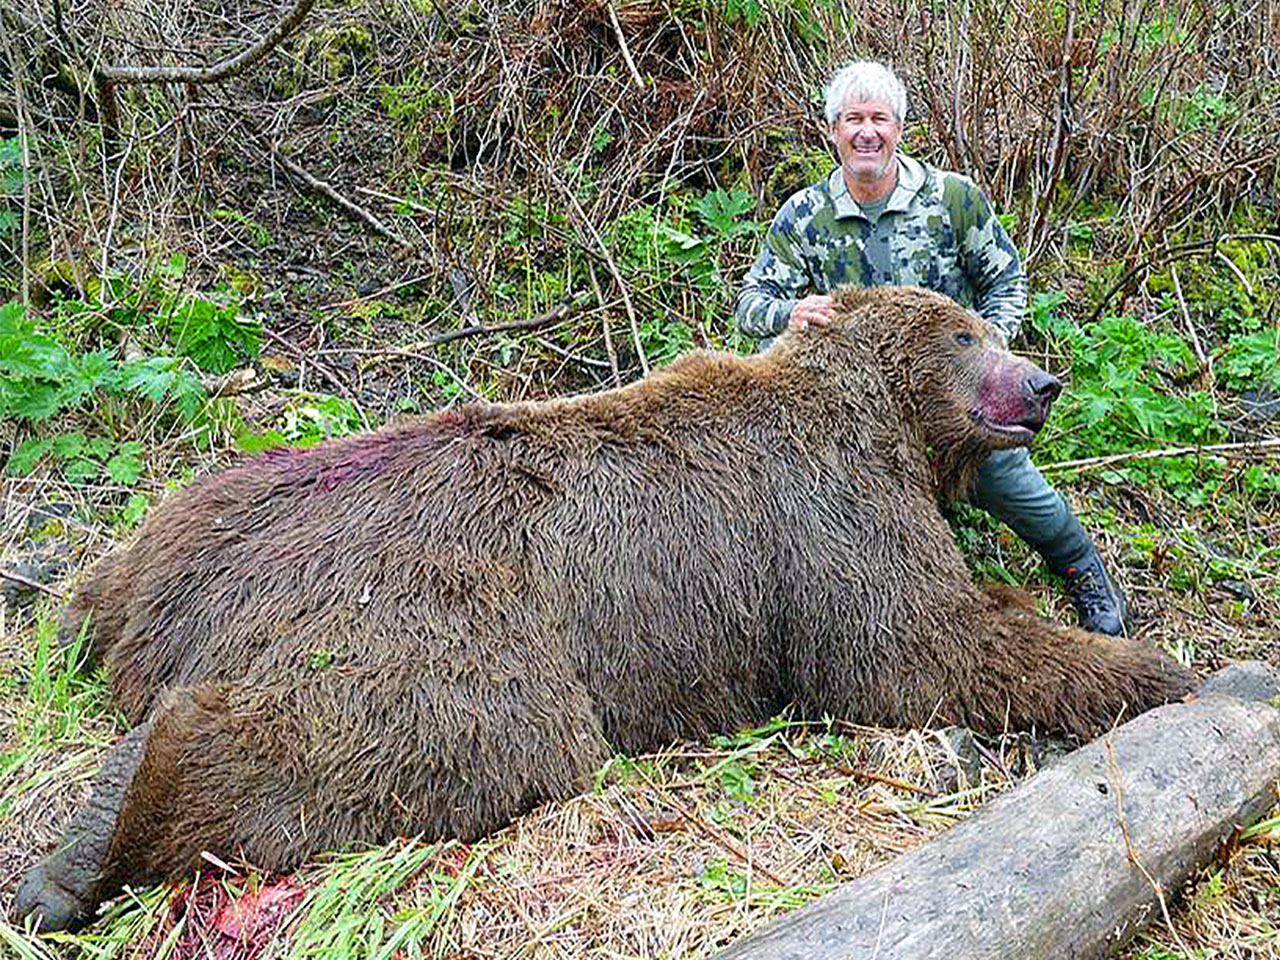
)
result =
(866, 135)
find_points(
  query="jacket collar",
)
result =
(911, 177)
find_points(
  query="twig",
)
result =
(570, 355)
(1206, 363)
(878, 778)
(1259, 447)
(622, 42)
(411, 355)
(725, 842)
(20, 109)
(114, 211)
(329, 375)
(319, 186)
(604, 323)
(390, 288)
(32, 584)
(608, 259)
(1173, 253)
(565, 308)
(382, 195)
(1118, 786)
(219, 71)
(1231, 265)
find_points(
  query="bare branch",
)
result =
(319, 186)
(559, 313)
(219, 71)
(622, 42)
(30, 584)
(1260, 448)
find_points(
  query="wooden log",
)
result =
(1045, 871)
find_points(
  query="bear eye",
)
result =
(966, 339)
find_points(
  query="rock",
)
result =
(1250, 680)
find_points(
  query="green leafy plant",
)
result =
(212, 334)
(723, 215)
(722, 882)
(1252, 360)
(1119, 398)
(726, 213)
(81, 458)
(41, 378)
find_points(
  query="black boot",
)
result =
(1100, 603)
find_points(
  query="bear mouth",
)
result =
(1021, 431)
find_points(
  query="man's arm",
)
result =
(988, 258)
(773, 284)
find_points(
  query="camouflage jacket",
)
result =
(937, 231)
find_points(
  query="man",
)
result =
(885, 218)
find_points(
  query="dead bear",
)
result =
(435, 627)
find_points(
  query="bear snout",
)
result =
(1042, 389)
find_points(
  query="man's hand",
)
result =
(816, 310)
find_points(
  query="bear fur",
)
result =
(433, 628)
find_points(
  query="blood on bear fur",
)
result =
(433, 628)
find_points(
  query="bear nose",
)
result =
(1044, 387)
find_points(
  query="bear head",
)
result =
(949, 380)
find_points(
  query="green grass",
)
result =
(347, 914)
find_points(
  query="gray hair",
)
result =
(865, 81)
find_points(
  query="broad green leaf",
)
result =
(126, 466)
(83, 470)
(24, 459)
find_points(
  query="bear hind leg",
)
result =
(63, 891)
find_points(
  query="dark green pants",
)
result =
(1011, 489)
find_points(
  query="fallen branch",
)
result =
(319, 186)
(565, 308)
(1265, 448)
(219, 71)
(31, 584)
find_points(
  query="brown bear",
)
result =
(435, 627)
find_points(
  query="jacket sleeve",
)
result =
(991, 262)
(774, 283)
